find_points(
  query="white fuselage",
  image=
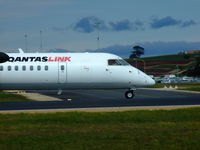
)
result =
(30, 71)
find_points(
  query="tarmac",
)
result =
(104, 100)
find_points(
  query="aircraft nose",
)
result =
(151, 81)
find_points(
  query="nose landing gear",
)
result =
(130, 94)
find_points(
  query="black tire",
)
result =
(129, 94)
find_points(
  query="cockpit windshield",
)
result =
(117, 62)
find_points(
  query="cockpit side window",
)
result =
(113, 62)
(117, 62)
(123, 62)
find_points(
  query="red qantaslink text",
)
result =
(60, 59)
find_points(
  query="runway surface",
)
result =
(106, 98)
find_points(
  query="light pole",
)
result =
(26, 43)
(41, 48)
(98, 39)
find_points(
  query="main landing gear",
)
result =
(130, 94)
(59, 92)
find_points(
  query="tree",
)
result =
(137, 52)
(186, 56)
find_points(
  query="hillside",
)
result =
(181, 64)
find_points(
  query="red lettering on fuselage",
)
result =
(50, 59)
(59, 59)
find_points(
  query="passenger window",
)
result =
(16, 68)
(24, 68)
(62, 67)
(38, 68)
(31, 68)
(46, 68)
(9, 68)
(1, 68)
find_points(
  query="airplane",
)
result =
(69, 71)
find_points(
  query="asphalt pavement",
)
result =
(106, 98)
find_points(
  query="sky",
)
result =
(161, 27)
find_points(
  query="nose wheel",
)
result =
(130, 94)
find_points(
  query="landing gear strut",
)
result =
(130, 94)
(59, 92)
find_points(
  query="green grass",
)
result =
(172, 57)
(9, 97)
(191, 89)
(149, 130)
(168, 57)
(180, 67)
(165, 66)
(165, 57)
(181, 86)
(173, 66)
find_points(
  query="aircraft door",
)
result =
(62, 72)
